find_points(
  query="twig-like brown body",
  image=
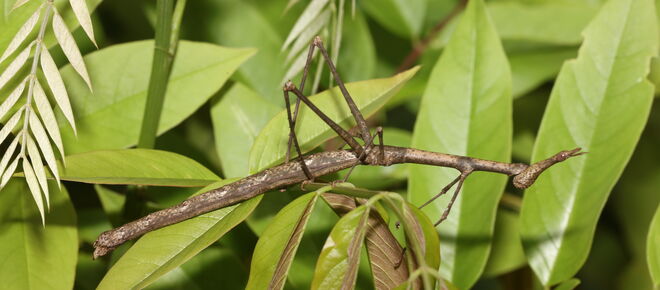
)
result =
(319, 164)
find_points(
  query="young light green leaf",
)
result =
(44, 144)
(6, 157)
(532, 68)
(653, 249)
(21, 35)
(160, 251)
(270, 146)
(12, 98)
(56, 85)
(278, 244)
(608, 78)
(10, 124)
(33, 185)
(401, 17)
(110, 118)
(309, 15)
(18, 4)
(36, 257)
(507, 253)
(569, 284)
(15, 65)
(465, 110)
(47, 115)
(38, 169)
(10, 170)
(69, 47)
(237, 119)
(338, 262)
(79, 8)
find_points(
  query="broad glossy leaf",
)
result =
(507, 252)
(237, 120)
(338, 263)
(531, 69)
(560, 212)
(401, 17)
(110, 117)
(465, 110)
(278, 244)
(653, 249)
(136, 166)
(163, 250)
(270, 146)
(36, 256)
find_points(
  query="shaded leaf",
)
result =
(466, 110)
(136, 166)
(568, 284)
(112, 203)
(56, 85)
(560, 212)
(402, 17)
(308, 16)
(338, 262)
(160, 251)
(237, 120)
(653, 248)
(79, 8)
(110, 118)
(36, 256)
(531, 69)
(278, 244)
(69, 47)
(22, 34)
(270, 146)
(507, 252)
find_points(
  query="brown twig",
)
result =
(319, 164)
(422, 45)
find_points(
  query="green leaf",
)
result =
(112, 203)
(237, 120)
(278, 244)
(653, 249)
(507, 252)
(110, 117)
(338, 263)
(465, 110)
(357, 56)
(270, 146)
(568, 284)
(136, 166)
(531, 69)
(34, 256)
(12, 21)
(401, 17)
(161, 251)
(600, 102)
(540, 22)
(431, 238)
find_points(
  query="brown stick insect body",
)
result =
(306, 168)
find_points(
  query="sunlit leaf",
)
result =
(270, 146)
(310, 14)
(608, 78)
(19, 3)
(465, 110)
(56, 85)
(6, 157)
(136, 166)
(69, 47)
(38, 169)
(21, 35)
(44, 144)
(15, 65)
(36, 256)
(12, 98)
(160, 251)
(10, 125)
(79, 8)
(47, 115)
(10, 170)
(33, 185)
(278, 244)
(304, 39)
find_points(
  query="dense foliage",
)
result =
(505, 80)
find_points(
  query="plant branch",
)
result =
(319, 164)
